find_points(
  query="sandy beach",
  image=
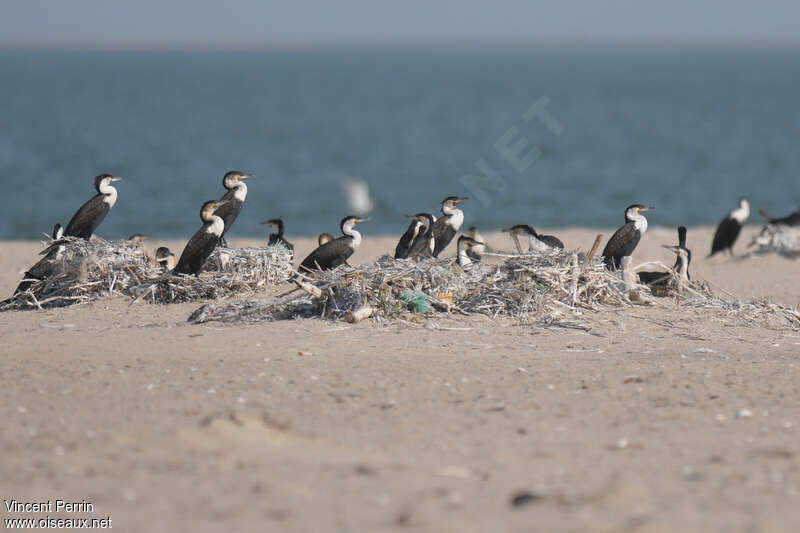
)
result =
(655, 419)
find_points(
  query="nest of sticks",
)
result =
(550, 288)
(83, 271)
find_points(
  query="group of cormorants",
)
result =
(426, 235)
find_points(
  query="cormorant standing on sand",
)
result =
(730, 227)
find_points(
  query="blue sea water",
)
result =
(546, 136)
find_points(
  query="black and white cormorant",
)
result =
(682, 244)
(324, 237)
(138, 237)
(165, 258)
(204, 241)
(463, 246)
(446, 227)
(336, 252)
(728, 230)
(663, 280)
(681, 266)
(234, 199)
(406, 241)
(625, 239)
(789, 220)
(44, 268)
(86, 220)
(277, 238)
(424, 244)
(536, 241)
(476, 251)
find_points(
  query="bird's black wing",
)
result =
(621, 244)
(329, 255)
(196, 252)
(726, 234)
(789, 220)
(406, 241)
(86, 219)
(443, 233)
(552, 241)
(229, 211)
(421, 246)
(654, 278)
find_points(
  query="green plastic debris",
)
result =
(417, 301)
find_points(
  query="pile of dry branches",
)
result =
(540, 288)
(227, 272)
(87, 270)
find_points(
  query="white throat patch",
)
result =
(241, 191)
(741, 213)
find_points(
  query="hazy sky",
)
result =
(259, 22)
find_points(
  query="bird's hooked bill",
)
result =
(651, 208)
(115, 178)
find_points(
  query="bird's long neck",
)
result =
(683, 267)
(109, 193)
(463, 258)
(240, 193)
(429, 229)
(741, 213)
(353, 233)
(214, 224)
(456, 216)
(638, 221)
(279, 229)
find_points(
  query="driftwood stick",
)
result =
(593, 251)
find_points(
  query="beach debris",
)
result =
(87, 270)
(778, 238)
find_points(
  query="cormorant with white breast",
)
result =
(536, 241)
(446, 227)
(476, 251)
(44, 268)
(728, 230)
(234, 199)
(277, 237)
(463, 245)
(86, 220)
(165, 258)
(681, 267)
(424, 243)
(789, 220)
(625, 239)
(663, 280)
(203, 241)
(406, 241)
(336, 252)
